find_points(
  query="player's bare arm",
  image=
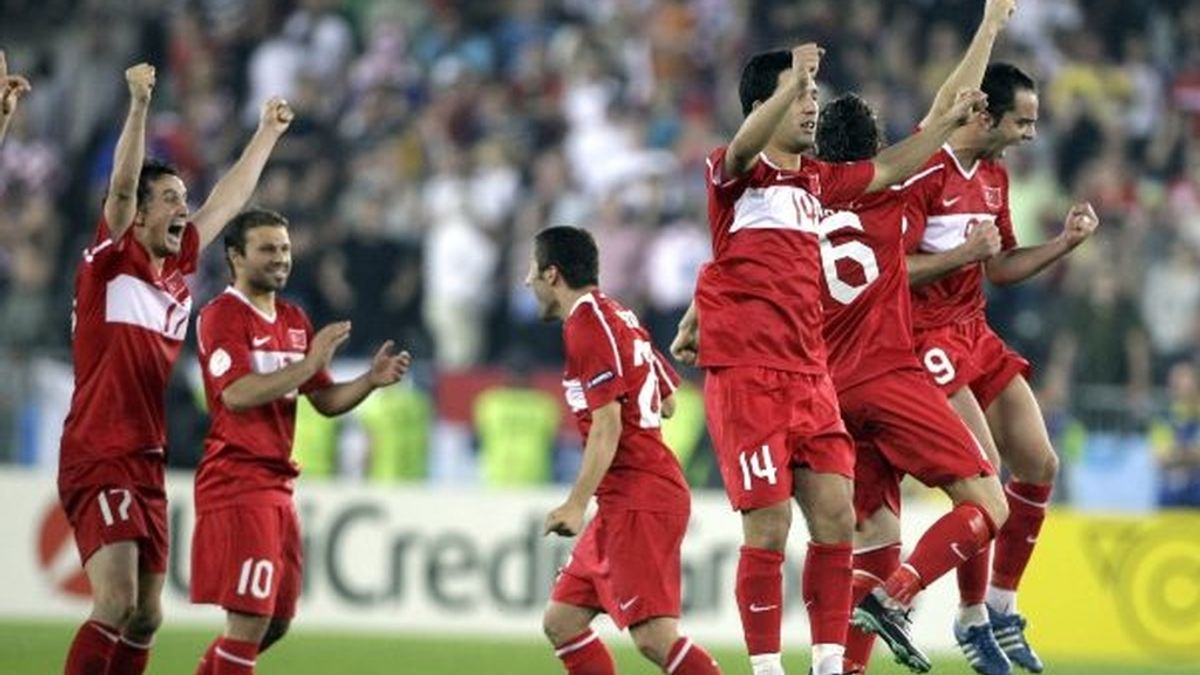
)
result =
(256, 389)
(686, 345)
(120, 205)
(234, 189)
(897, 162)
(968, 74)
(598, 453)
(1019, 264)
(756, 130)
(983, 242)
(12, 88)
(387, 368)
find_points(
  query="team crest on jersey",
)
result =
(993, 197)
(297, 339)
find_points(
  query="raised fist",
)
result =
(140, 79)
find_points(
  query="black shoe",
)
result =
(892, 626)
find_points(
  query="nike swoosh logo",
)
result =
(628, 603)
(950, 202)
(260, 341)
(954, 547)
(756, 608)
(781, 176)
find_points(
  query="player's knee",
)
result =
(556, 631)
(831, 522)
(115, 603)
(145, 621)
(882, 528)
(652, 647)
(768, 527)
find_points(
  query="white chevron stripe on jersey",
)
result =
(130, 300)
(778, 207)
(944, 232)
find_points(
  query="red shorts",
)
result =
(969, 354)
(248, 559)
(902, 424)
(764, 422)
(127, 501)
(627, 565)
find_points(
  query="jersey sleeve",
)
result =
(101, 258)
(322, 379)
(844, 181)
(668, 379)
(224, 344)
(1008, 237)
(724, 190)
(592, 353)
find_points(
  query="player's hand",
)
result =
(996, 13)
(276, 115)
(1080, 224)
(806, 61)
(326, 342)
(140, 79)
(388, 368)
(14, 87)
(565, 521)
(686, 345)
(969, 104)
(983, 242)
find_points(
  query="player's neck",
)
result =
(264, 301)
(782, 158)
(967, 150)
(569, 297)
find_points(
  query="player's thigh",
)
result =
(112, 571)
(654, 637)
(964, 403)
(642, 549)
(876, 493)
(238, 558)
(748, 412)
(826, 499)
(1020, 430)
(983, 491)
(876, 530)
(999, 365)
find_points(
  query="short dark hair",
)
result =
(847, 130)
(1001, 81)
(572, 250)
(235, 231)
(760, 77)
(152, 170)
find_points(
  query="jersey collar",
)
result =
(269, 318)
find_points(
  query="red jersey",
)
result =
(610, 357)
(968, 198)
(127, 327)
(248, 454)
(868, 313)
(759, 300)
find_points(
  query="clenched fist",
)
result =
(276, 115)
(140, 79)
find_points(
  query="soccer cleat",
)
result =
(981, 649)
(1010, 634)
(891, 625)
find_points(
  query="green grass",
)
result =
(31, 648)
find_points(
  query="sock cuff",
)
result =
(134, 644)
(1034, 494)
(878, 562)
(240, 652)
(677, 654)
(819, 549)
(576, 643)
(109, 632)
(762, 555)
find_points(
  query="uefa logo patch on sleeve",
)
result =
(297, 339)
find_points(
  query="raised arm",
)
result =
(1018, 264)
(983, 242)
(234, 189)
(968, 74)
(12, 88)
(756, 130)
(386, 369)
(897, 162)
(256, 389)
(598, 453)
(120, 204)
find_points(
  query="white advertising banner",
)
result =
(418, 559)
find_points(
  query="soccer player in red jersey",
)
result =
(901, 422)
(772, 409)
(983, 377)
(131, 311)
(627, 563)
(258, 353)
(12, 88)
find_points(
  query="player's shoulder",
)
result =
(291, 312)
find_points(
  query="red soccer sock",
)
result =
(234, 657)
(205, 667)
(826, 588)
(759, 593)
(688, 658)
(91, 649)
(973, 577)
(585, 654)
(1014, 544)
(129, 657)
(951, 541)
(870, 569)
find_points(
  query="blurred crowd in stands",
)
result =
(434, 137)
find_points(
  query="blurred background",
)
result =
(433, 138)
